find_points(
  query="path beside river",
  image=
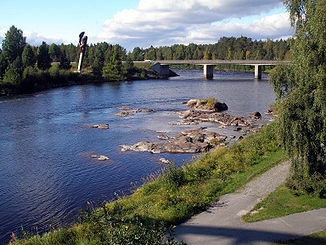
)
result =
(221, 223)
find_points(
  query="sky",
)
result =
(142, 23)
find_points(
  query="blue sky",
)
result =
(143, 23)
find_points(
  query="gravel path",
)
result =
(221, 223)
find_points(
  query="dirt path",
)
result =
(221, 223)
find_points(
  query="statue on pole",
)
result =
(82, 48)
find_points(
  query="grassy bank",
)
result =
(171, 197)
(284, 202)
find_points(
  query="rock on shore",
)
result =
(190, 141)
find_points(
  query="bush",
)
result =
(301, 182)
(175, 177)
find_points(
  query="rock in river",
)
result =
(255, 115)
(190, 141)
(101, 126)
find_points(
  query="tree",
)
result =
(113, 70)
(64, 61)
(3, 65)
(54, 52)
(151, 54)
(98, 63)
(137, 54)
(43, 57)
(302, 88)
(207, 54)
(28, 56)
(14, 72)
(197, 54)
(13, 44)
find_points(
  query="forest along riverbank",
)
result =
(47, 173)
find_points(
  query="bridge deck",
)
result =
(162, 66)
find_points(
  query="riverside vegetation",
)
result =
(301, 92)
(25, 68)
(171, 196)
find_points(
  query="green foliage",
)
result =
(113, 71)
(98, 64)
(64, 61)
(28, 56)
(14, 72)
(3, 65)
(43, 57)
(175, 177)
(54, 52)
(137, 54)
(227, 48)
(211, 102)
(13, 44)
(302, 89)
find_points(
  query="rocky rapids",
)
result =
(199, 139)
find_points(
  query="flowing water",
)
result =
(46, 172)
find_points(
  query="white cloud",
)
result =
(37, 39)
(165, 22)
(276, 26)
(2, 35)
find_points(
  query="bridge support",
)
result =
(258, 72)
(208, 71)
(165, 70)
(162, 70)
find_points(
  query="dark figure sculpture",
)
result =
(82, 47)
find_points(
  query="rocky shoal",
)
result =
(192, 116)
(190, 141)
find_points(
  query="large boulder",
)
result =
(207, 105)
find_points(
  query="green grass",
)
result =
(284, 202)
(318, 238)
(171, 197)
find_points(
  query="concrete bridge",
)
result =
(162, 66)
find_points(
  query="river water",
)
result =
(46, 173)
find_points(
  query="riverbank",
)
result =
(172, 195)
(36, 81)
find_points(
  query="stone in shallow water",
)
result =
(164, 161)
(103, 158)
(101, 126)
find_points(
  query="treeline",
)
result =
(26, 68)
(227, 48)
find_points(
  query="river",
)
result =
(46, 173)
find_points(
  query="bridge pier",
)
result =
(163, 70)
(258, 72)
(208, 71)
